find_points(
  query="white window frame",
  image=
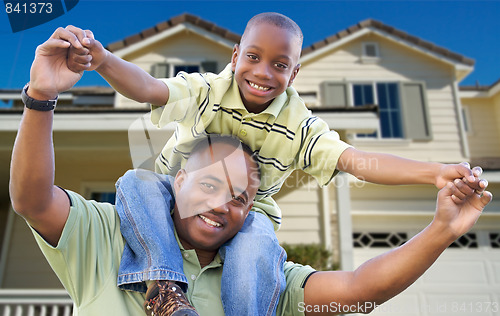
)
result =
(87, 188)
(466, 120)
(373, 83)
(370, 59)
(187, 64)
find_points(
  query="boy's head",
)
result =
(214, 192)
(266, 61)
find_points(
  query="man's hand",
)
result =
(459, 206)
(90, 56)
(450, 172)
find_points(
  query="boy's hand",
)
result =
(450, 172)
(49, 73)
(90, 56)
(459, 206)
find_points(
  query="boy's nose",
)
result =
(262, 71)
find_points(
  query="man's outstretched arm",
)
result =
(32, 191)
(383, 277)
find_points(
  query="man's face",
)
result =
(265, 64)
(213, 199)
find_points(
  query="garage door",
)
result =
(464, 281)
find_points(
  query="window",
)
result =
(370, 53)
(386, 95)
(402, 106)
(370, 50)
(167, 70)
(103, 197)
(378, 239)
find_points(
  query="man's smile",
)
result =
(209, 221)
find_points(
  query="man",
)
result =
(82, 240)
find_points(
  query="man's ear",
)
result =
(294, 74)
(234, 57)
(179, 179)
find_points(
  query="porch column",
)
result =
(344, 221)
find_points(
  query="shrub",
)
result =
(310, 254)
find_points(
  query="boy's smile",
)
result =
(265, 64)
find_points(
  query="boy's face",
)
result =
(265, 64)
(213, 200)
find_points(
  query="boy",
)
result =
(253, 99)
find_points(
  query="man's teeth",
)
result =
(209, 221)
(255, 86)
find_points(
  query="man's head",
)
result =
(214, 192)
(265, 62)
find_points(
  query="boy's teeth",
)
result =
(255, 86)
(209, 221)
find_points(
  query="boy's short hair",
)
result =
(277, 19)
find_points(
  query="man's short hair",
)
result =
(276, 19)
(212, 139)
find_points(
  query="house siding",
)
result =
(396, 63)
(484, 129)
(300, 203)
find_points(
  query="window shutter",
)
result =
(334, 94)
(209, 66)
(415, 111)
(160, 70)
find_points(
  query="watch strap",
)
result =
(30, 103)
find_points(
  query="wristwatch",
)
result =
(38, 105)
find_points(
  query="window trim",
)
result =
(87, 188)
(373, 83)
(173, 62)
(365, 58)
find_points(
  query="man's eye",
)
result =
(252, 57)
(238, 199)
(281, 66)
(207, 186)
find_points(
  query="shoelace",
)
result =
(169, 299)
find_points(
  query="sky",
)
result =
(464, 27)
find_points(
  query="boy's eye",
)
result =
(281, 66)
(252, 57)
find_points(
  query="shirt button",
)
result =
(186, 255)
(248, 119)
(193, 277)
(243, 132)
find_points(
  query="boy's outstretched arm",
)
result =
(126, 78)
(32, 191)
(389, 169)
(383, 277)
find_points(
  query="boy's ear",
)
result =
(294, 74)
(234, 57)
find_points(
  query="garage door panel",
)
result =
(465, 280)
(453, 272)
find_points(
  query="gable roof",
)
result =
(176, 20)
(371, 23)
(463, 64)
(480, 90)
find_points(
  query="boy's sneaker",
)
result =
(165, 298)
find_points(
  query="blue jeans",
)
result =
(252, 275)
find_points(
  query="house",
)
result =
(382, 89)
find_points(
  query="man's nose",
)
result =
(218, 203)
